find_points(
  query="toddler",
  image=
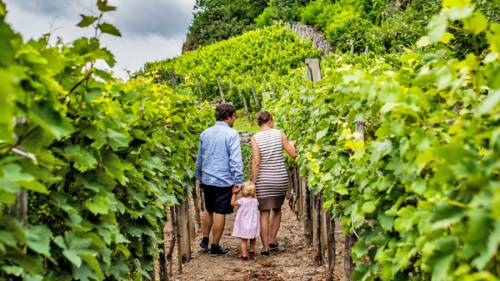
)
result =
(246, 223)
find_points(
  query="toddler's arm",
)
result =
(234, 201)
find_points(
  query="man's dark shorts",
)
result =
(218, 199)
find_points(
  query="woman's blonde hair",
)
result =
(248, 189)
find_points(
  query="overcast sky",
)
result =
(151, 29)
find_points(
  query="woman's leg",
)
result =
(275, 225)
(252, 245)
(244, 247)
(264, 229)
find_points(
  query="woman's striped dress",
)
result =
(272, 179)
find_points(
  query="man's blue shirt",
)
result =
(219, 156)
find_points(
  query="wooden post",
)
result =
(359, 135)
(247, 111)
(175, 235)
(275, 97)
(184, 231)
(307, 206)
(20, 208)
(198, 86)
(173, 80)
(220, 91)
(360, 131)
(348, 264)
(256, 100)
(331, 245)
(317, 230)
(196, 203)
(313, 69)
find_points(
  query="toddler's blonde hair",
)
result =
(248, 189)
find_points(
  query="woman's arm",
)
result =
(255, 160)
(288, 146)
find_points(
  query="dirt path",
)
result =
(293, 261)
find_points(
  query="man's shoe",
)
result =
(204, 246)
(216, 250)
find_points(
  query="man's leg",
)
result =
(206, 224)
(207, 217)
(219, 221)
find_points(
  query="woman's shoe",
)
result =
(265, 254)
(273, 246)
(243, 258)
(251, 254)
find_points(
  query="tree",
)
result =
(216, 20)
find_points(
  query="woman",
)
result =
(270, 177)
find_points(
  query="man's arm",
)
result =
(235, 161)
(199, 162)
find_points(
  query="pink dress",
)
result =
(247, 223)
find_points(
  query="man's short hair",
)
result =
(224, 111)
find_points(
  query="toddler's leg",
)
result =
(244, 247)
(252, 245)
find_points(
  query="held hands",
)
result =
(236, 189)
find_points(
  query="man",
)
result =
(219, 168)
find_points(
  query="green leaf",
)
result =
(86, 21)
(445, 215)
(14, 173)
(73, 257)
(114, 166)
(109, 29)
(406, 219)
(442, 257)
(477, 23)
(491, 102)
(457, 13)
(117, 139)
(31, 264)
(93, 264)
(44, 114)
(386, 222)
(493, 243)
(39, 239)
(437, 28)
(368, 207)
(82, 158)
(321, 134)
(13, 270)
(103, 6)
(98, 205)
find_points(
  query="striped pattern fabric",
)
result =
(272, 179)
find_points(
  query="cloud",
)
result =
(166, 18)
(53, 8)
(152, 29)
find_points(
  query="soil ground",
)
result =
(294, 260)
